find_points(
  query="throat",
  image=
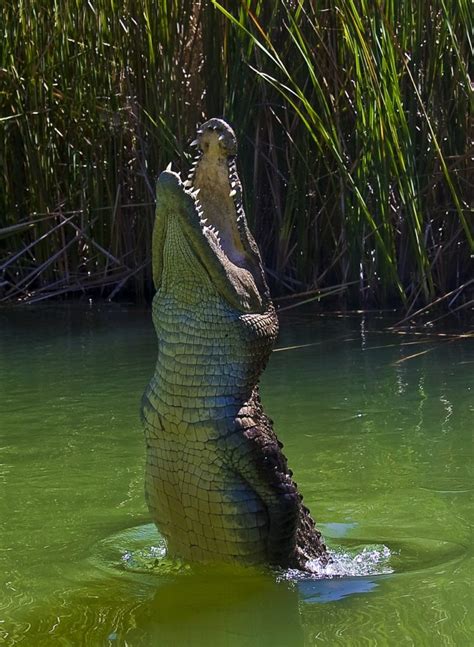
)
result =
(212, 180)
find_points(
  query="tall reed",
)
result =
(353, 122)
(97, 95)
(373, 101)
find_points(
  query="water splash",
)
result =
(371, 560)
(153, 559)
(143, 559)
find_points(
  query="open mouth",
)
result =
(211, 215)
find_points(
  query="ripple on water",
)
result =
(356, 566)
(143, 550)
(140, 549)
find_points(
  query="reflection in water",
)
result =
(448, 407)
(212, 605)
(322, 591)
(230, 609)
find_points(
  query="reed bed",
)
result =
(353, 120)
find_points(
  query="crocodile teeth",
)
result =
(188, 184)
(195, 142)
(221, 138)
(168, 168)
(195, 193)
(232, 193)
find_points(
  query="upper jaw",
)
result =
(209, 208)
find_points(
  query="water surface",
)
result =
(377, 428)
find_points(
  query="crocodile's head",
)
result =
(208, 210)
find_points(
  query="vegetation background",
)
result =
(353, 119)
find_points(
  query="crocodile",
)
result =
(217, 483)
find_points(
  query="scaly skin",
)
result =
(217, 483)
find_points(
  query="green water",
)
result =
(381, 449)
